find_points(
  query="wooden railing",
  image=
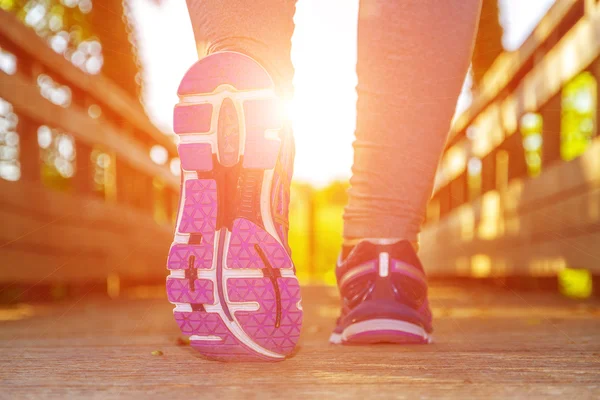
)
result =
(504, 216)
(123, 126)
(90, 224)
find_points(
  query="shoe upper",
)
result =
(280, 189)
(383, 281)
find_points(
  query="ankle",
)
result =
(349, 243)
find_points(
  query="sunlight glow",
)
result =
(159, 154)
(323, 110)
(324, 104)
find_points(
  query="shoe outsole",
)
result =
(382, 331)
(231, 280)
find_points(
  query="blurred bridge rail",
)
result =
(87, 192)
(518, 189)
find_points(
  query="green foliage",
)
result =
(578, 119)
(65, 25)
(316, 230)
(7, 5)
(531, 130)
(575, 283)
(58, 158)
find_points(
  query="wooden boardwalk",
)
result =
(489, 343)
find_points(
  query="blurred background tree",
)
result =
(95, 35)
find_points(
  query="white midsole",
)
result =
(209, 338)
(379, 325)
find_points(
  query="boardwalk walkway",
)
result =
(490, 343)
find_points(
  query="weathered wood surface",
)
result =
(55, 237)
(489, 343)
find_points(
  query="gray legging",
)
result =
(412, 58)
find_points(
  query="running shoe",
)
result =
(384, 296)
(231, 278)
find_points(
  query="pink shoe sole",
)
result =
(231, 279)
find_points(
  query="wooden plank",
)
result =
(60, 237)
(43, 228)
(511, 257)
(29, 267)
(26, 267)
(30, 198)
(489, 343)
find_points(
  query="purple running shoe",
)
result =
(384, 296)
(231, 279)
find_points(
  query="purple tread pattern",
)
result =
(196, 156)
(192, 118)
(260, 324)
(242, 253)
(224, 68)
(178, 291)
(200, 208)
(179, 256)
(210, 324)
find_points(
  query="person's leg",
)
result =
(230, 245)
(413, 56)
(261, 29)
